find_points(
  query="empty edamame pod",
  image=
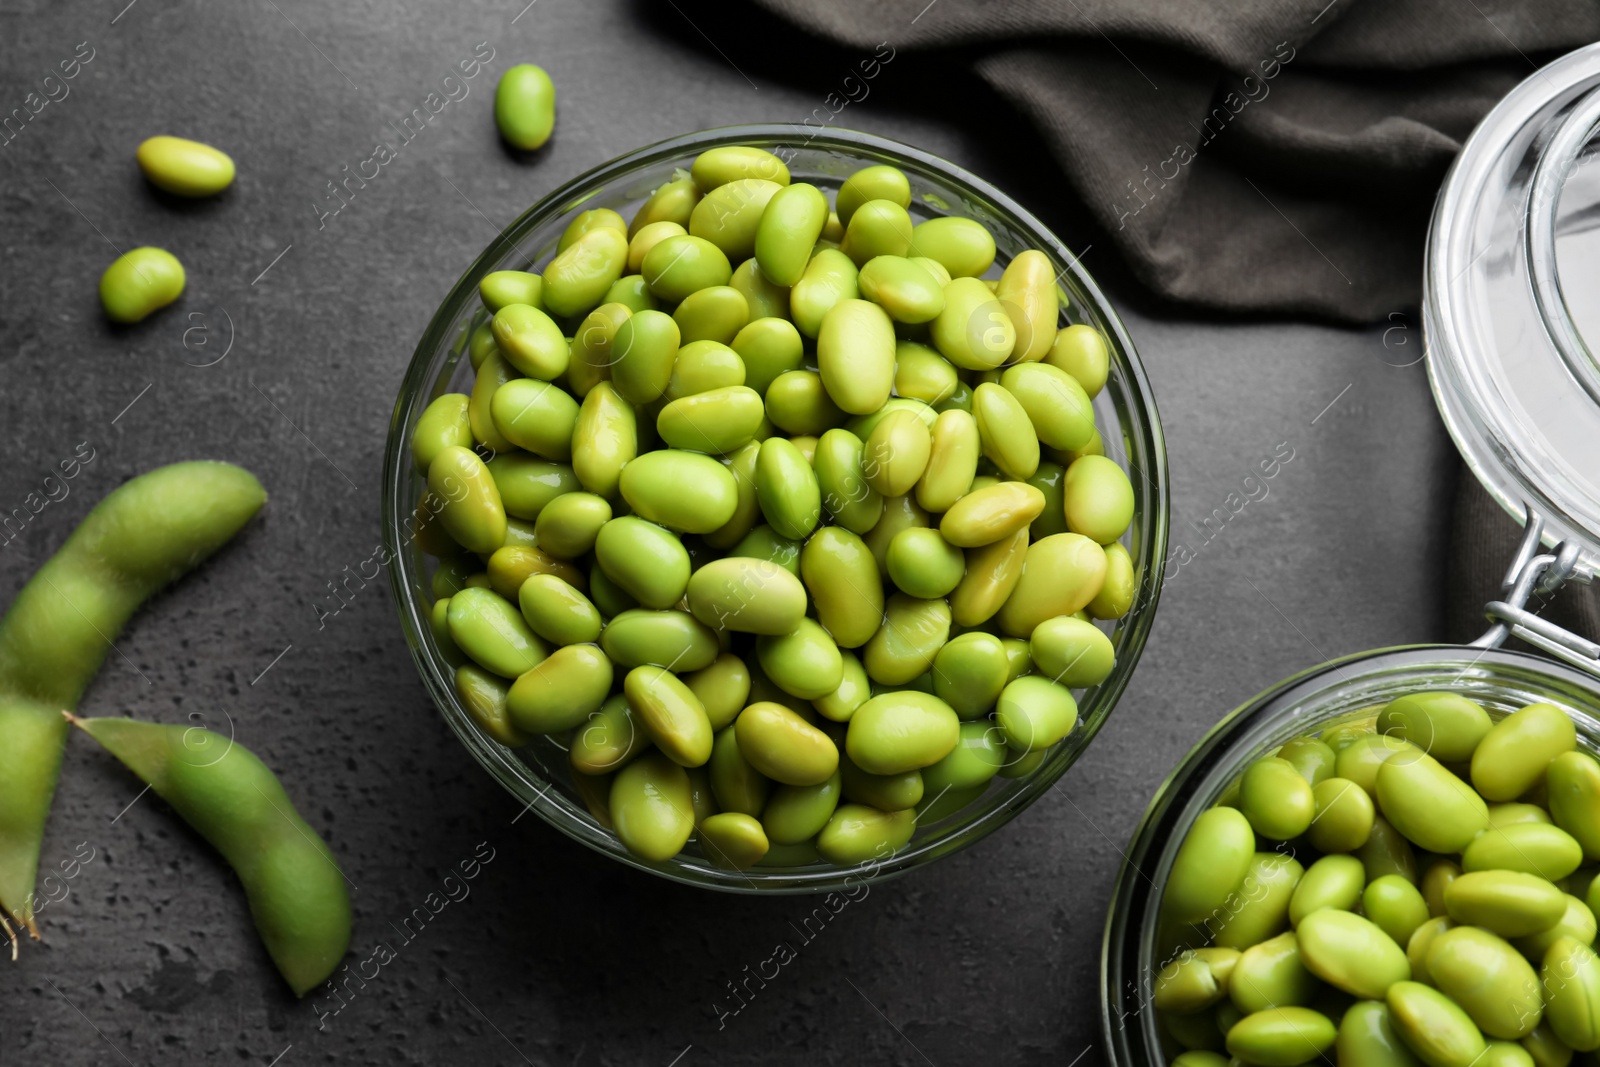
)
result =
(144, 534)
(295, 887)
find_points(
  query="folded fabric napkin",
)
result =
(1272, 156)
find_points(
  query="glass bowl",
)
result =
(1321, 697)
(1125, 411)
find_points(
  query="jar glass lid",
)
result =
(1512, 300)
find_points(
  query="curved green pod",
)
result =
(295, 886)
(144, 534)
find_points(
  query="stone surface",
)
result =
(557, 956)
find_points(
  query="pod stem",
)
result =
(11, 935)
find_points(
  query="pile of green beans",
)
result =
(1413, 887)
(783, 521)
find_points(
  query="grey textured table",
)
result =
(556, 956)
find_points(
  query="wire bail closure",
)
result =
(1531, 572)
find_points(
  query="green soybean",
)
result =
(484, 696)
(905, 645)
(1509, 903)
(605, 439)
(841, 577)
(682, 265)
(1212, 862)
(671, 639)
(787, 488)
(646, 561)
(558, 612)
(1433, 1025)
(442, 423)
(1428, 804)
(291, 879)
(1351, 953)
(1281, 1036)
(714, 314)
(1276, 799)
(829, 278)
(1488, 979)
(879, 182)
(1269, 975)
(680, 490)
(183, 167)
(789, 227)
(901, 731)
(1573, 780)
(923, 564)
(804, 662)
(973, 331)
(537, 416)
(855, 355)
(1512, 757)
(1445, 725)
(652, 807)
(531, 341)
(1005, 433)
(856, 833)
(768, 347)
(780, 744)
(1331, 882)
(139, 283)
(796, 813)
(1396, 906)
(904, 290)
(1082, 352)
(579, 277)
(561, 690)
(145, 533)
(1072, 652)
(727, 163)
(733, 839)
(525, 106)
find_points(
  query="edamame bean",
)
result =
(829, 278)
(1035, 713)
(592, 344)
(292, 880)
(733, 839)
(537, 416)
(789, 227)
(796, 813)
(1488, 979)
(442, 423)
(979, 754)
(1098, 499)
(1081, 351)
(560, 691)
(1447, 726)
(1396, 906)
(991, 514)
(952, 461)
(1367, 1036)
(781, 745)
(768, 347)
(646, 561)
(492, 374)
(1270, 975)
(764, 542)
(923, 564)
(1351, 953)
(604, 440)
(577, 279)
(682, 265)
(973, 331)
(804, 662)
(841, 576)
(525, 106)
(1513, 755)
(1261, 909)
(670, 713)
(902, 288)
(855, 355)
(1313, 759)
(962, 246)
(473, 513)
(1532, 848)
(886, 792)
(923, 374)
(672, 201)
(1211, 863)
(1577, 922)
(1434, 1027)
(737, 785)
(646, 238)
(1509, 903)
(1072, 652)
(512, 565)
(722, 688)
(1280, 1037)
(1428, 804)
(729, 215)
(1331, 882)
(558, 612)
(747, 595)
(993, 572)
(1027, 292)
(145, 533)
(1570, 976)
(484, 696)
(531, 342)
(1276, 799)
(703, 366)
(1573, 781)
(787, 488)
(608, 739)
(718, 166)
(797, 403)
(501, 288)
(680, 490)
(1069, 568)
(671, 639)
(652, 808)
(896, 452)
(880, 182)
(857, 833)
(841, 480)
(527, 484)
(877, 228)
(183, 167)
(1004, 431)
(714, 314)
(901, 731)
(1386, 852)
(643, 353)
(139, 283)
(1194, 981)
(853, 690)
(912, 633)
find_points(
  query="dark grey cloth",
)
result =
(1255, 155)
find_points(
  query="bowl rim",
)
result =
(870, 148)
(1126, 1049)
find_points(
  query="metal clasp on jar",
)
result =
(1536, 571)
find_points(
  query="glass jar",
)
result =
(538, 775)
(1513, 255)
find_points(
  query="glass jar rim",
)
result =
(1502, 350)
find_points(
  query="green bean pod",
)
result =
(295, 886)
(146, 533)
